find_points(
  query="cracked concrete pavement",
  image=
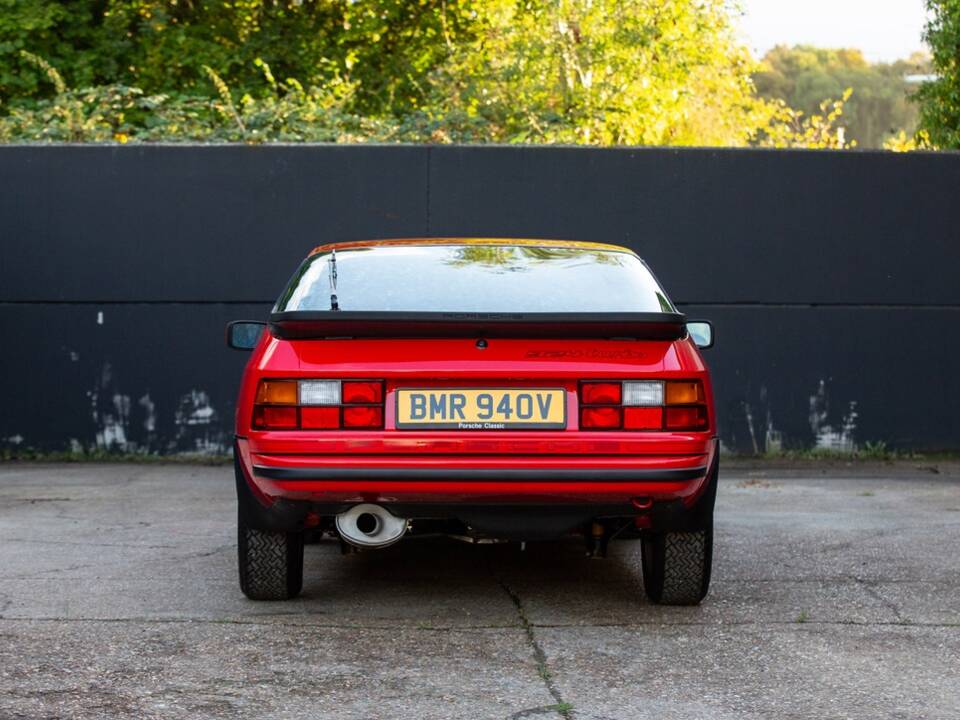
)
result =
(836, 594)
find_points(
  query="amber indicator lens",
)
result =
(277, 392)
(684, 393)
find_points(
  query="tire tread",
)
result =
(685, 559)
(271, 563)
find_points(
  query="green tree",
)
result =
(940, 99)
(606, 72)
(880, 106)
(385, 48)
(790, 128)
(601, 72)
(122, 114)
(55, 31)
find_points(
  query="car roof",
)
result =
(416, 242)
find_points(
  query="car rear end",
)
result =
(509, 413)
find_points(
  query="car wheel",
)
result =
(676, 566)
(271, 563)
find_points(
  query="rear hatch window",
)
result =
(474, 278)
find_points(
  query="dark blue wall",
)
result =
(831, 277)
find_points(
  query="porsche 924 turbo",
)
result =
(486, 389)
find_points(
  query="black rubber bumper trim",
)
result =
(440, 474)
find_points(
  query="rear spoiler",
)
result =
(361, 324)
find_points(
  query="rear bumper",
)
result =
(405, 474)
(609, 480)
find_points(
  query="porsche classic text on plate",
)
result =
(481, 409)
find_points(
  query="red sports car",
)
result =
(486, 389)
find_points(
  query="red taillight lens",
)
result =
(363, 417)
(310, 404)
(644, 404)
(686, 418)
(600, 393)
(320, 418)
(600, 418)
(273, 417)
(362, 392)
(642, 418)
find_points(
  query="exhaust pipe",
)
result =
(370, 526)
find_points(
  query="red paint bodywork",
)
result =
(459, 362)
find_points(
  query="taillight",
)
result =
(271, 416)
(642, 418)
(686, 418)
(362, 392)
(363, 417)
(277, 392)
(600, 418)
(601, 393)
(318, 405)
(684, 393)
(320, 418)
(643, 405)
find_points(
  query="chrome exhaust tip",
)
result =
(370, 526)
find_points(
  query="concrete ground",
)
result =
(836, 594)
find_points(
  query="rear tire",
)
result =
(271, 563)
(676, 566)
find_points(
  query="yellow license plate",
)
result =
(481, 409)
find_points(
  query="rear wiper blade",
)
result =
(334, 305)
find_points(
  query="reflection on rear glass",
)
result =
(476, 278)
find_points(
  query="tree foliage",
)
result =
(120, 113)
(644, 72)
(788, 127)
(940, 99)
(879, 107)
(387, 48)
(605, 72)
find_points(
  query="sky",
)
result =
(884, 30)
